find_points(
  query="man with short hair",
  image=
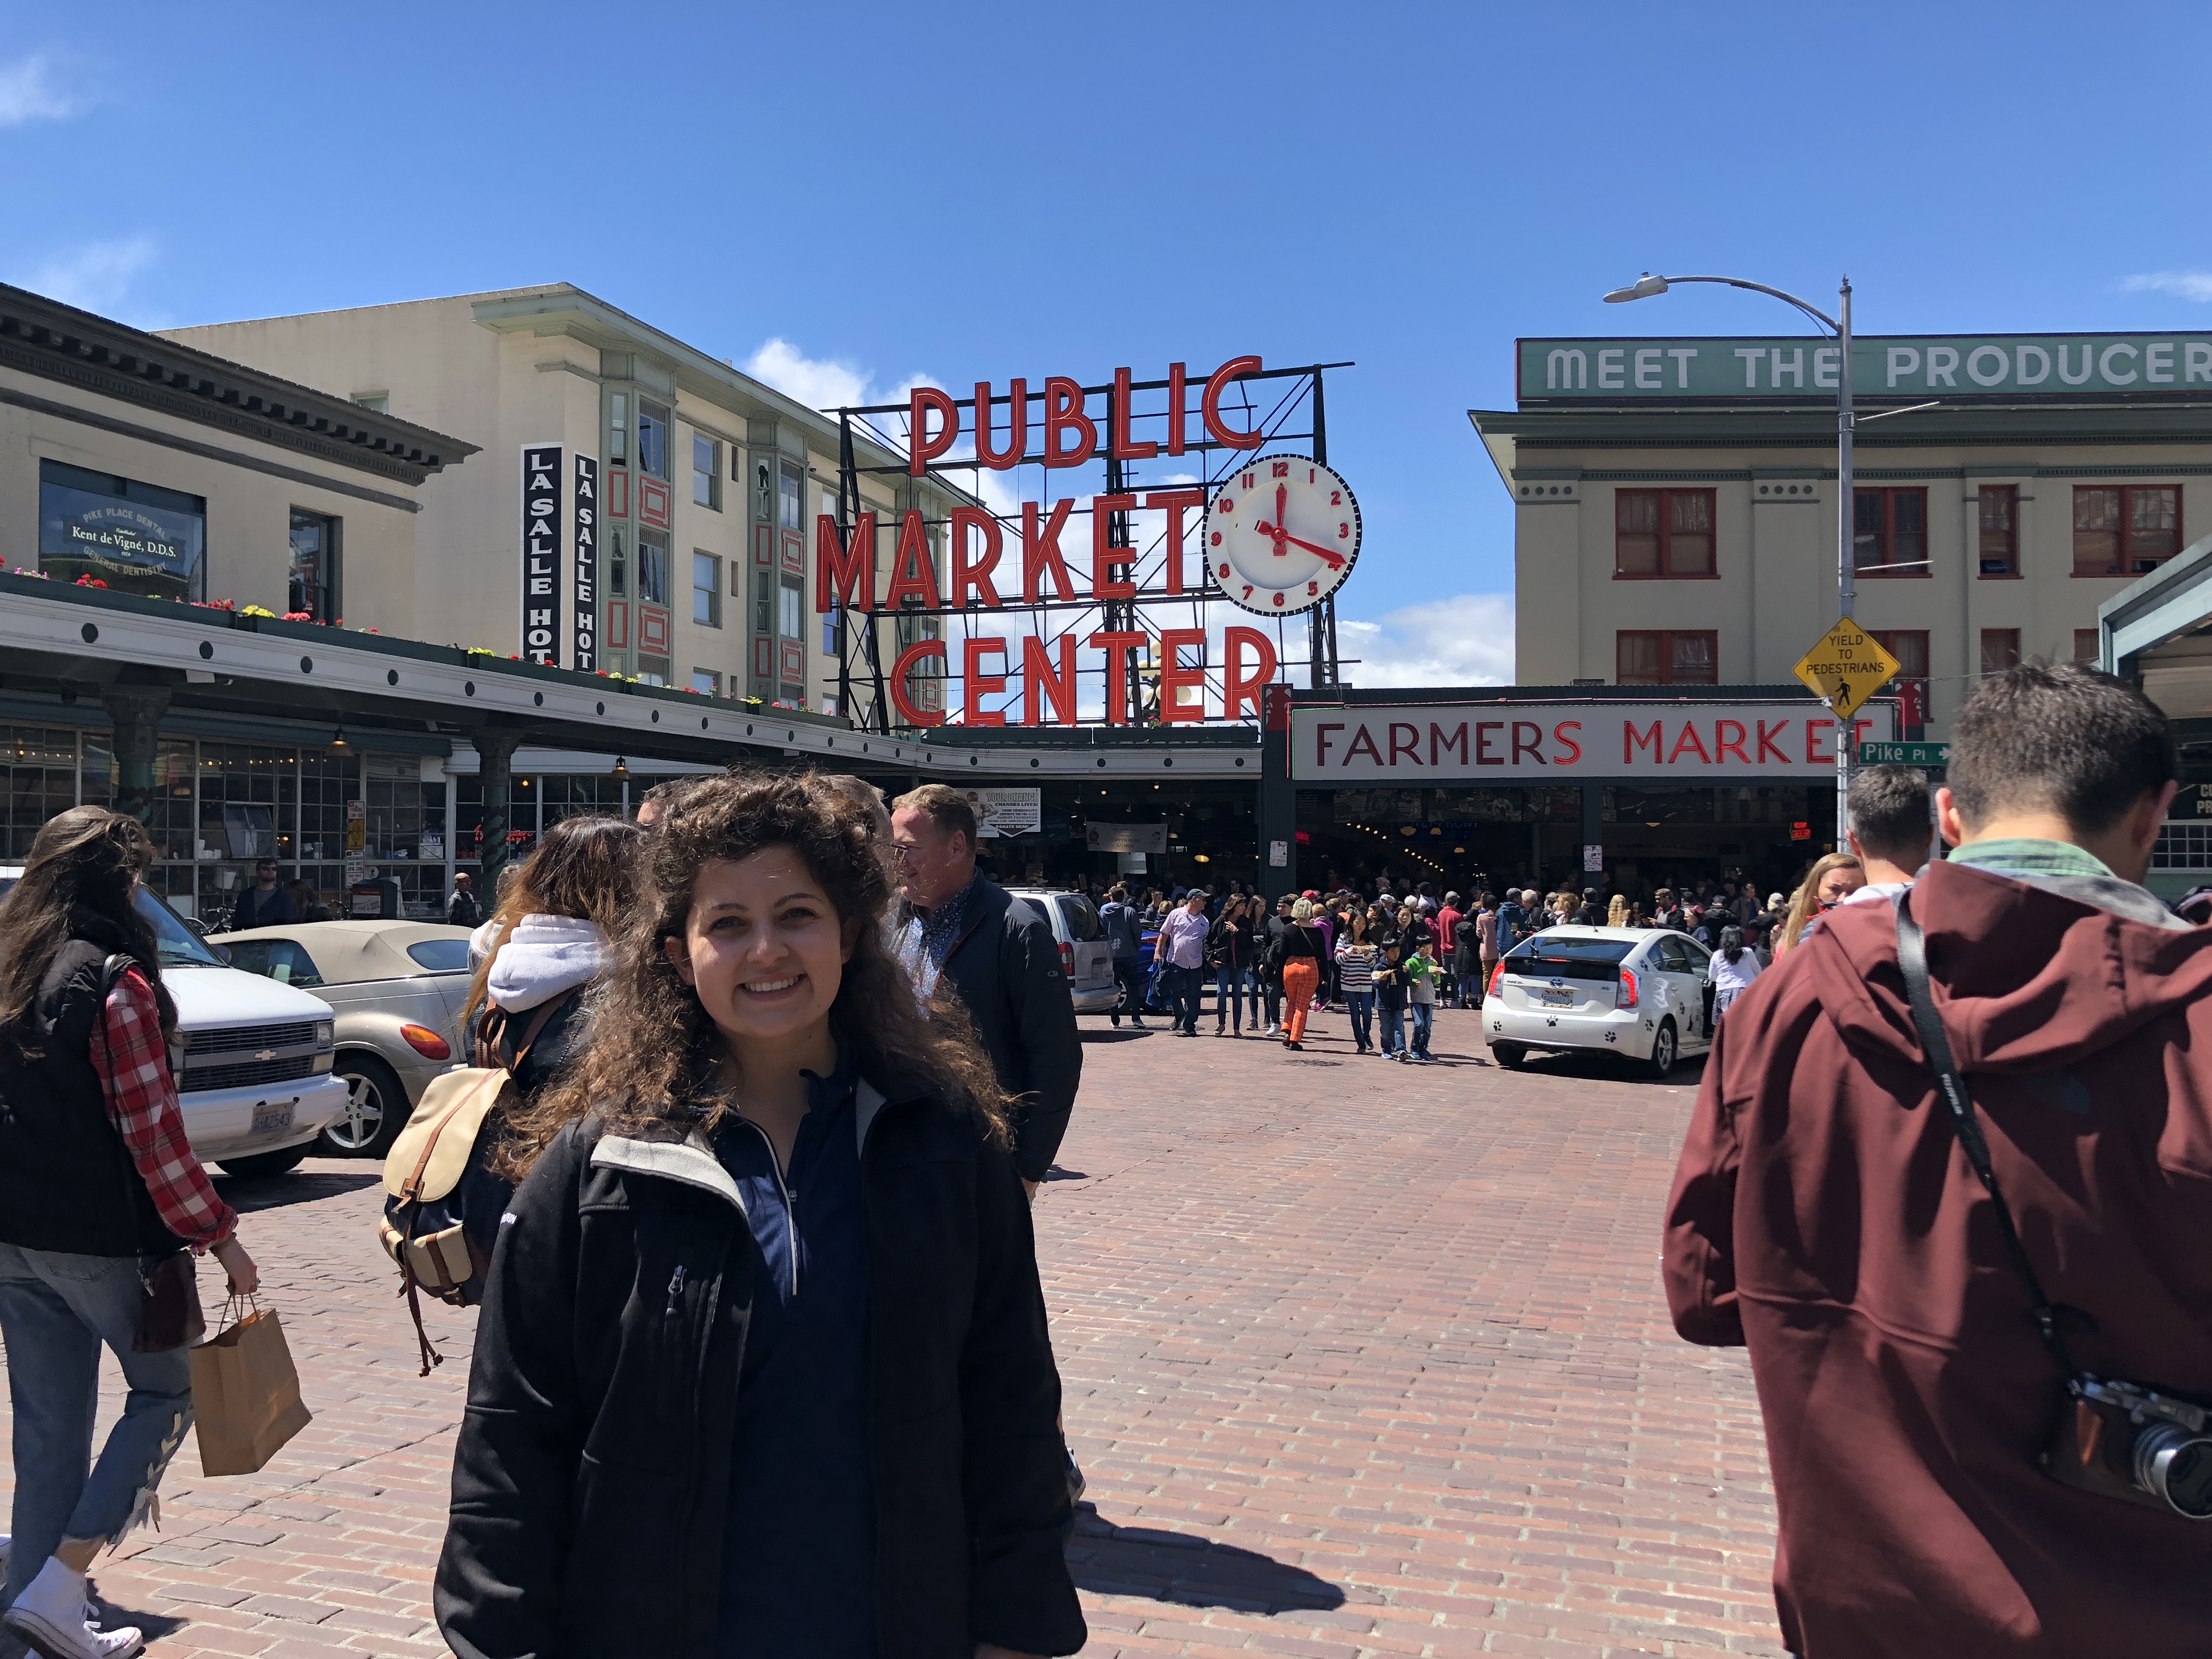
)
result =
(1513, 920)
(1180, 953)
(462, 910)
(1001, 959)
(265, 904)
(1124, 930)
(1827, 1215)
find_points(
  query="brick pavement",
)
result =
(1361, 1359)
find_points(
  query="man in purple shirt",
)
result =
(1182, 952)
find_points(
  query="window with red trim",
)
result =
(1910, 646)
(1663, 533)
(1998, 543)
(2123, 530)
(1667, 656)
(2088, 645)
(1889, 534)
(2000, 649)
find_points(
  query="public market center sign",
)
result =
(1948, 367)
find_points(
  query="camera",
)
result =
(2128, 1441)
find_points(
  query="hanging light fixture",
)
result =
(622, 769)
(338, 739)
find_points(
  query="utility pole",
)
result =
(1846, 552)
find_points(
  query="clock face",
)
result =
(1281, 535)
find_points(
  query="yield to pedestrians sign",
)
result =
(1847, 667)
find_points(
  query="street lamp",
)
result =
(1646, 286)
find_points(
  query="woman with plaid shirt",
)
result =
(97, 1184)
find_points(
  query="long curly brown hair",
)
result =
(651, 1060)
(86, 859)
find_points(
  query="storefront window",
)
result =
(40, 766)
(314, 585)
(406, 838)
(131, 537)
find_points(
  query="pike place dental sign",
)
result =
(1945, 365)
(1554, 743)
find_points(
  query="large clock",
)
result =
(1281, 535)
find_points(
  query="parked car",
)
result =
(399, 988)
(1084, 955)
(1634, 991)
(252, 1059)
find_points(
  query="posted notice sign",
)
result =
(1676, 742)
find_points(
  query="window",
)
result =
(653, 568)
(792, 505)
(131, 536)
(1910, 646)
(282, 960)
(314, 583)
(376, 403)
(790, 618)
(829, 634)
(652, 439)
(617, 566)
(1999, 544)
(1889, 533)
(706, 590)
(652, 671)
(2000, 649)
(1663, 533)
(2125, 529)
(1668, 657)
(618, 429)
(2088, 645)
(705, 473)
(2183, 845)
(707, 681)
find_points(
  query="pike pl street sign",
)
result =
(1846, 665)
(1904, 753)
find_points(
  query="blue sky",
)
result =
(966, 191)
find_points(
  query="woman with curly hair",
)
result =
(763, 1365)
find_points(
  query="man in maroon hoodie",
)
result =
(1825, 1215)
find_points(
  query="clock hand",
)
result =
(1282, 517)
(1336, 559)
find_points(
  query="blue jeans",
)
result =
(1184, 986)
(1231, 985)
(1394, 1029)
(1424, 1021)
(1129, 973)
(56, 1309)
(1361, 1004)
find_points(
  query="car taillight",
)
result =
(1067, 959)
(1626, 999)
(1496, 974)
(426, 1042)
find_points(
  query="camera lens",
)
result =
(2175, 1465)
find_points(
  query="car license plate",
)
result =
(272, 1120)
(1551, 999)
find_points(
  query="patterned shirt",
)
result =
(133, 1065)
(929, 937)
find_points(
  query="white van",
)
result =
(1085, 957)
(252, 1059)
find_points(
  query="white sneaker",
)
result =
(52, 1616)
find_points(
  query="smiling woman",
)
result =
(775, 1206)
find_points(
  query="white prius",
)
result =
(1639, 992)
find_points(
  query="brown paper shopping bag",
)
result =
(244, 1393)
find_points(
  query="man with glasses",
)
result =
(265, 904)
(1001, 959)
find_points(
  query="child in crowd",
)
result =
(1391, 998)
(1421, 975)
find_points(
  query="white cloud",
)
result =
(2181, 284)
(1466, 640)
(823, 382)
(96, 276)
(31, 91)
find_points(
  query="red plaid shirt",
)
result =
(133, 1064)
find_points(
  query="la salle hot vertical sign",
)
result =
(541, 554)
(585, 535)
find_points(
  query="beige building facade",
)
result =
(1676, 501)
(691, 490)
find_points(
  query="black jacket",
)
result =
(1006, 965)
(591, 1479)
(256, 908)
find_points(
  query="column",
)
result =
(1593, 829)
(1277, 817)
(494, 747)
(137, 712)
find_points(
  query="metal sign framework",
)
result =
(862, 694)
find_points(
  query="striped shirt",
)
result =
(1355, 963)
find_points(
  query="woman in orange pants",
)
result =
(1303, 946)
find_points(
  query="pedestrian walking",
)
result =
(1302, 948)
(1469, 943)
(1356, 956)
(1003, 963)
(462, 907)
(1180, 955)
(1949, 1188)
(1229, 952)
(1890, 831)
(101, 1198)
(1125, 929)
(1421, 976)
(1730, 971)
(767, 1124)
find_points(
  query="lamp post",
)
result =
(1645, 287)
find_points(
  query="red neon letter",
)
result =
(1689, 739)
(1063, 412)
(1041, 552)
(1815, 731)
(1040, 680)
(1239, 688)
(1174, 676)
(1120, 445)
(1411, 748)
(1632, 740)
(1482, 755)
(977, 575)
(1767, 743)
(1175, 411)
(975, 684)
(1017, 425)
(912, 573)
(1321, 730)
(1117, 646)
(1725, 745)
(1533, 746)
(1559, 735)
(921, 448)
(907, 659)
(1209, 407)
(839, 571)
(1104, 557)
(1174, 504)
(1441, 744)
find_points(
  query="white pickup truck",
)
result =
(252, 1059)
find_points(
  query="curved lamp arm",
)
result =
(1649, 285)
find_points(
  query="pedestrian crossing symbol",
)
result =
(1847, 667)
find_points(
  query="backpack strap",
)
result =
(492, 1027)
